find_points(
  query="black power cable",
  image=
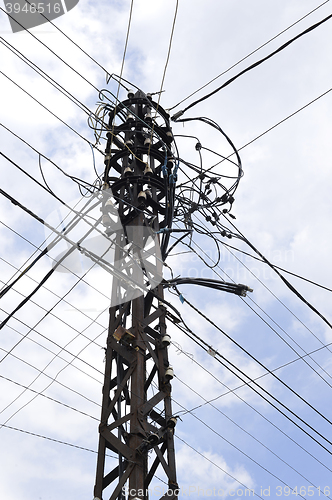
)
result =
(250, 54)
(252, 380)
(252, 66)
(287, 283)
(209, 283)
(195, 338)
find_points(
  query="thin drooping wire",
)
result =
(262, 365)
(62, 348)
(74, 179)
(254, 65)
(280, 328)
(61, 403)
(53, 440)
(250, 54)
(87, 80)
(277, 267)
(236, 447)
(233, 391)
(51, 112)
(287, 283)
(187, 332)
(269, 129)
(165, 68)
(229, 366)
(121, 71)
(48, 376)
(45, 75)
(287, 118)
(216, 465)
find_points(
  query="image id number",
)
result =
(32, 8)
(302, 490)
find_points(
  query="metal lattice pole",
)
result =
(137, 423)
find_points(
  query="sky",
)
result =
(229, 440)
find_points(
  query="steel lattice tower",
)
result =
(137, 209)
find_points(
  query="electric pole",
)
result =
(139, 206)
(138, 197)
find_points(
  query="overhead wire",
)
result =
(252, 66)
(230, 366)
(215, 465)
(71, 40)
(62, 348)
(284, 305)
(53, 440)
(57, 264)
(278, 267)
(121, 71)
(234, 392)
(49, 111)
(44, 75)
(287, 283)
(87, 80)
(73, 178)
(211, 234)
(74, 308)
(216, 264)
(282, 329)
(61, 403)
(165, 66)
(187, 330)
(42, 372)
(49, 376)
(269, 129)
(24, 336)
(212, 429)
(254, 359)
(250, 54)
